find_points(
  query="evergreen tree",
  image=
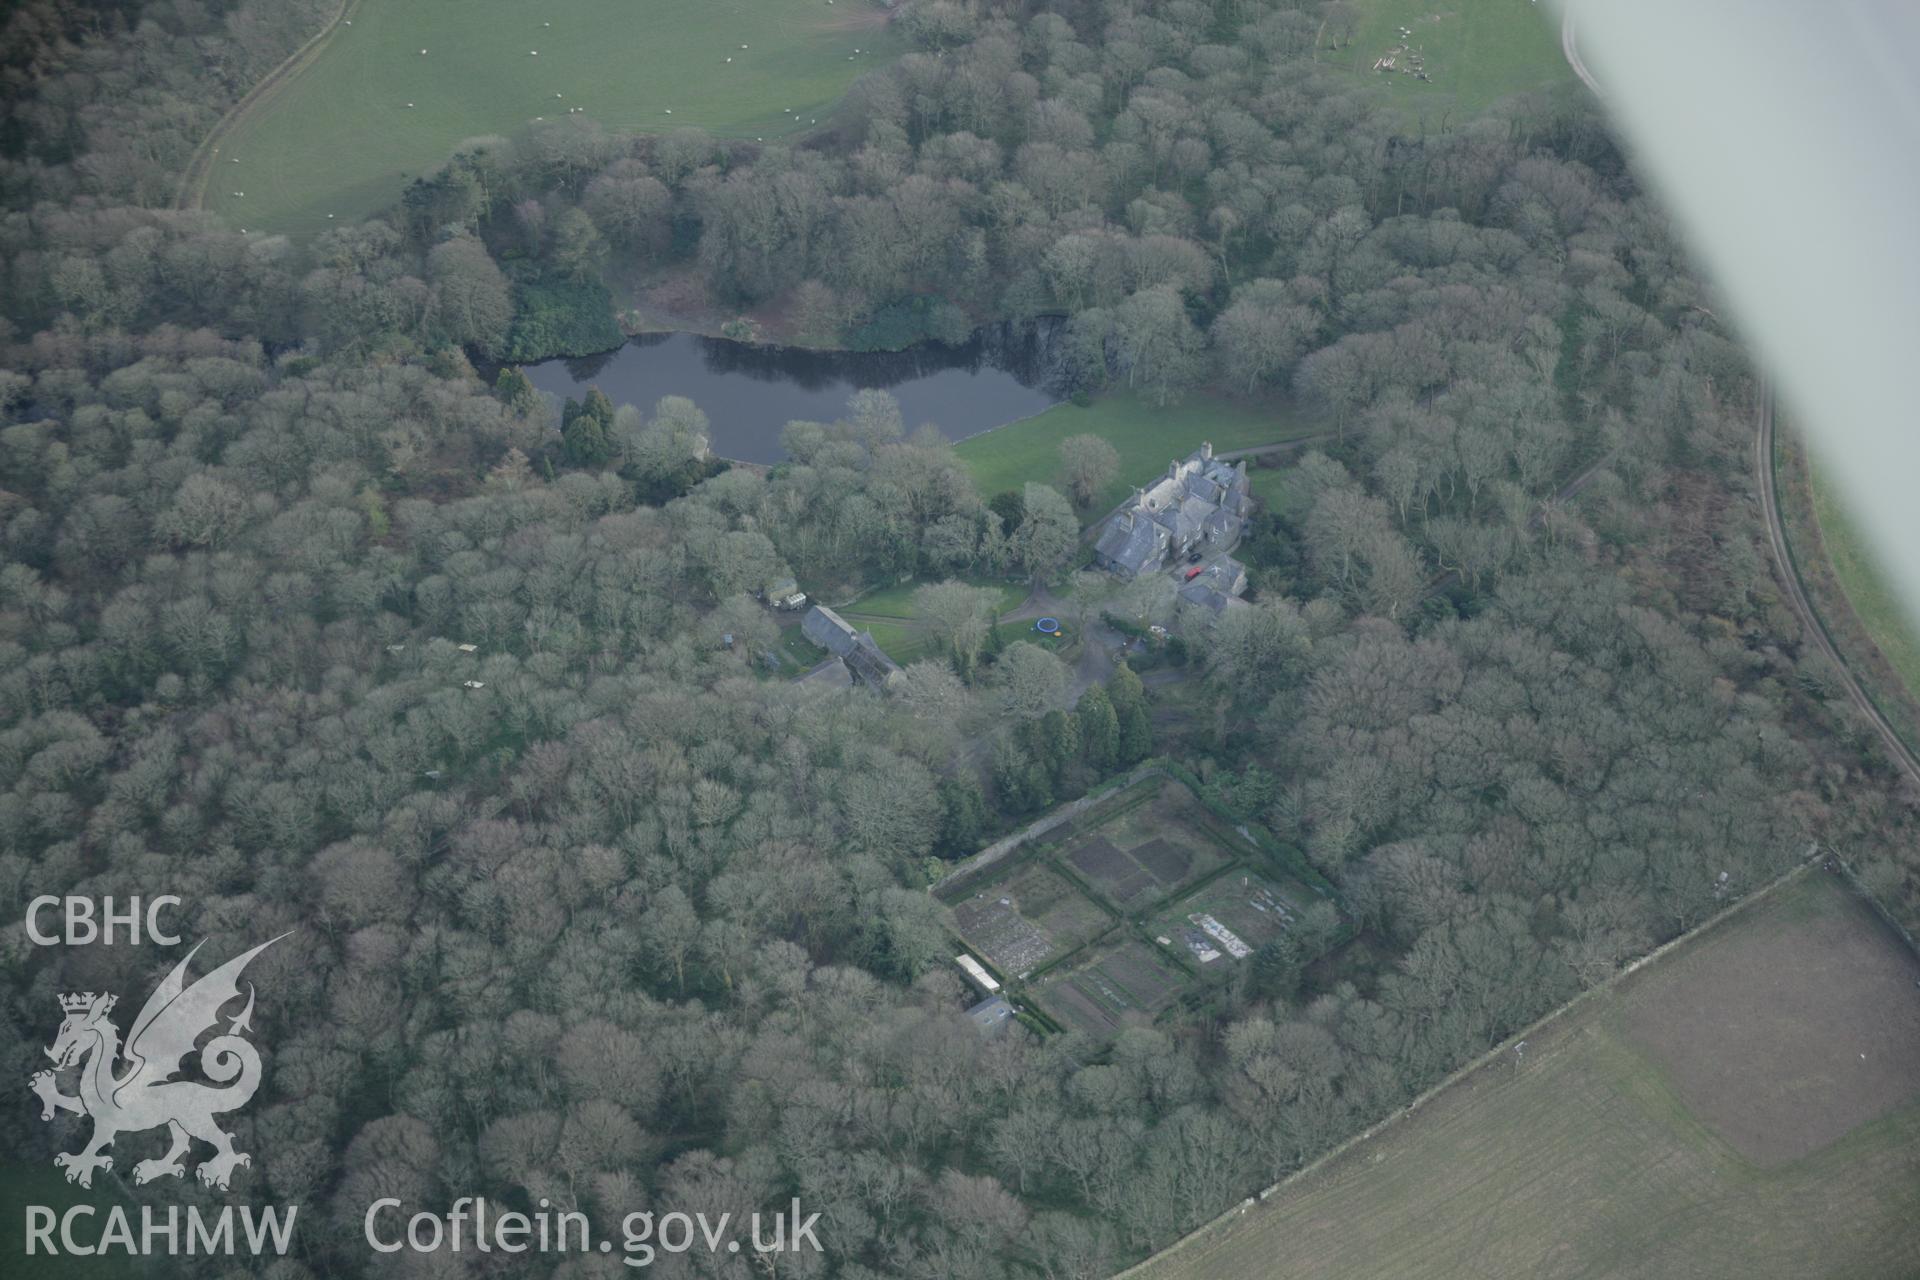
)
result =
(587, 430)
(1129, 698)
(993, 644)
(1056, 742)
(515, 389)
(963, 817)
(1099, 728)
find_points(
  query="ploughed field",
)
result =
(370, 111)
(1747, 1105)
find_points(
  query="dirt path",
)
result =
(1570, 46)
(1789, 577)
(193, 182)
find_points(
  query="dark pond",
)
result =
(749, 393)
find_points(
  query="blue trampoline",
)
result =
(1048, 626)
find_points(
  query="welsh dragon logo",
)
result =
(139, 1093)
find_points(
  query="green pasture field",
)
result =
(338, 137)
(1147, 439)
(1476, 51)
(1744, 1106)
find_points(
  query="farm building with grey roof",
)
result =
(862, 655)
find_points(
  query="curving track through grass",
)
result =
(1903, 758)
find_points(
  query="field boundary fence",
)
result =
(1460, 1073)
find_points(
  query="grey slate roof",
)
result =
(829, 630)
(1194, 512)
(1199, 592)
(1199, 497)
(1132, 544)
(831, 674)
(858, 649)
(991, 1014)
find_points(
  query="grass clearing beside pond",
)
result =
(1145, 437)
(1476, 52)
(340, 136)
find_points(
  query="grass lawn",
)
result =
(1476, 51)
(897, 601)
(1274, 487)
(890, 614)
(1145, 437)
(1874, 603)
(339, 137)
(1744, 1106)
(904, 642)
(802, 653)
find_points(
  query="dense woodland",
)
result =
(638, 925)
